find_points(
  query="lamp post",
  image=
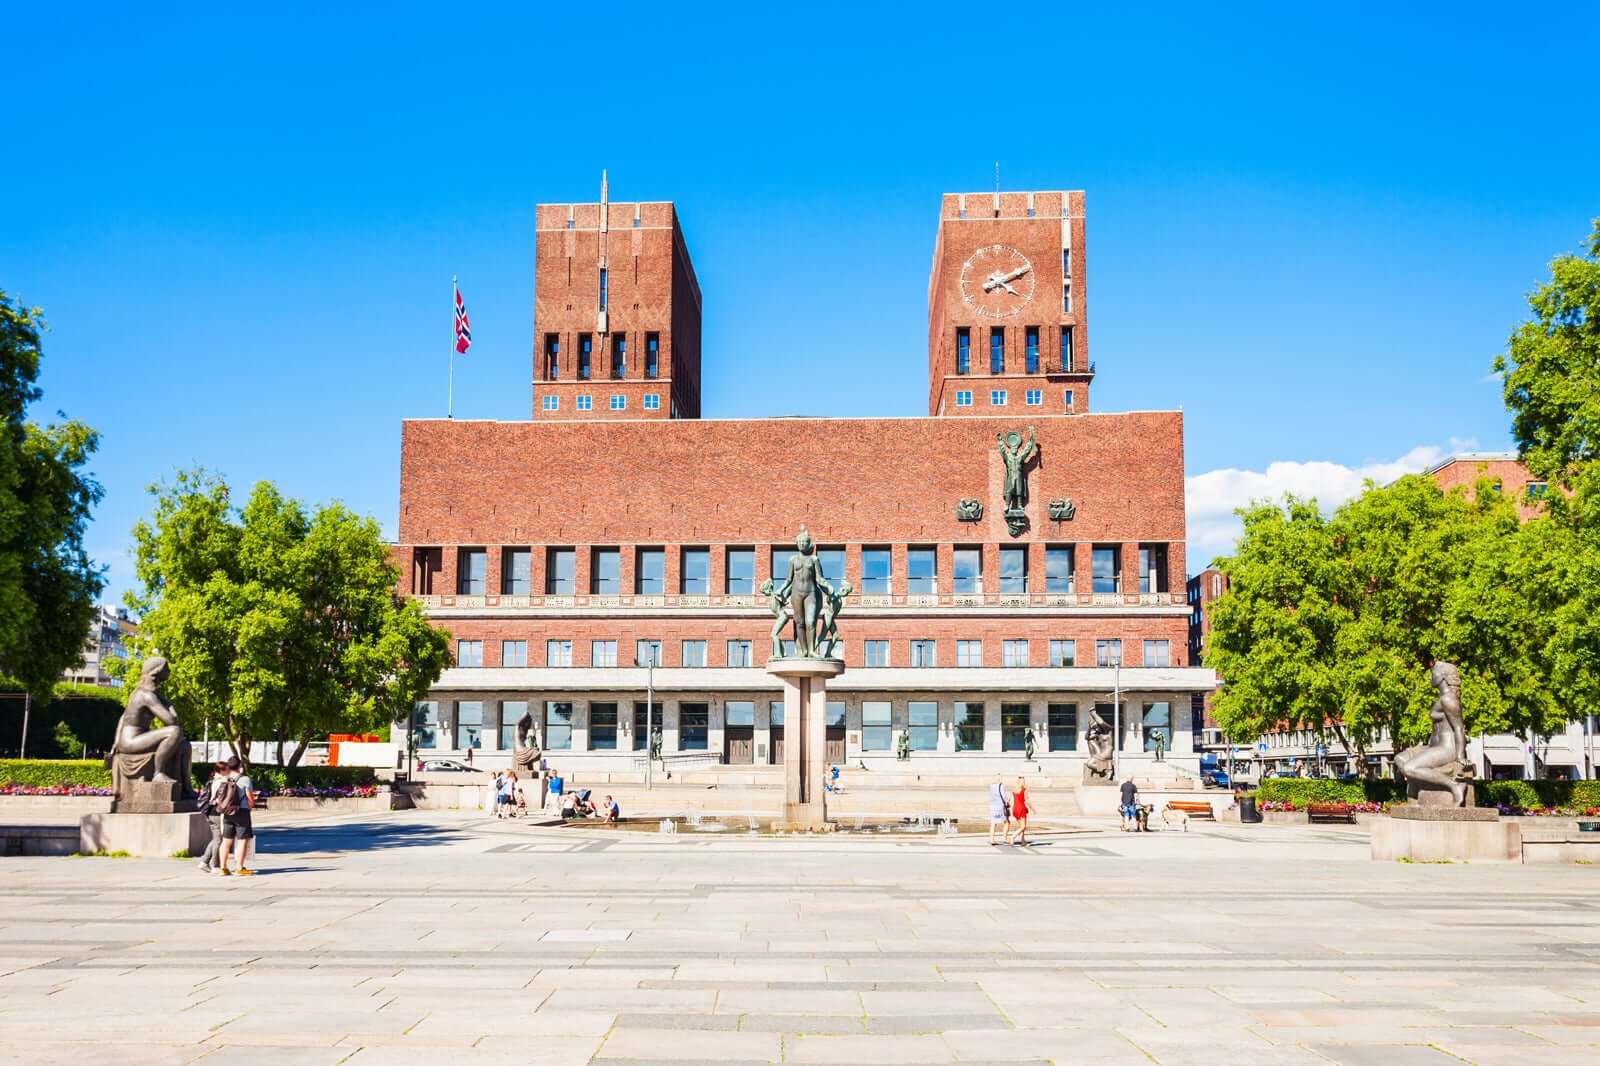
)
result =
(649, 710)
(1116, 712)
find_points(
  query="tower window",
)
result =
(997, 350)
(602, 288)
(963, 397)
(585, 403)
(1031, 350)
(619, 356)
(552, 356)
(1068, 399)
(652, 354)
(963, 350)
(1067, 356)
(997, 397)
(1034, 397)
(652, 401)
(619, 402)
(1066, 263)
(585, 347)
(551, 403)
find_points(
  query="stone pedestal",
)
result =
(1429, 832)
(147, 836)
(137, 796)
(805, 739)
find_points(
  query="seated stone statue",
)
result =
(525, 751)
(1440, 764)
(1097, 737)
(147, 752)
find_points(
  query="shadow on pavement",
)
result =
(350, 836)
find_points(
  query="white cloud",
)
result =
(1213, 496)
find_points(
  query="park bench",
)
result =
(1193, 808)
(1330, 812)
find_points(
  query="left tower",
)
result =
(616, 313)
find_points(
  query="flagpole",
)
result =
(450, 401)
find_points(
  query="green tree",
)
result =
(278, 624)
(48, 585)
(67, 742)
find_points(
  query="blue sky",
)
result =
(1313, 233)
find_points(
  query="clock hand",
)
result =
(1008, 288)
(1015, 274)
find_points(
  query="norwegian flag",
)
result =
(463, 329)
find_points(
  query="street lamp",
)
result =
(649, 709)
(1116, 711)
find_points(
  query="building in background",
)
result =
(1504, 470)
(1201, 591)
(110, 627)
(566, 551)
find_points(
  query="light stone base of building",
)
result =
(145, 836)
(1438, 837)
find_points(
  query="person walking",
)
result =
(208, 807)
(556, 785)
(999, 811)
(237, 801)
(1130, 804)
(1019, 812)
(508, 794)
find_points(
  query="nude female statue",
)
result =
(803, 590)
(137, 733)
(1441, 763)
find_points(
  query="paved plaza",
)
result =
(448, 937)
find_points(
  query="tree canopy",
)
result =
(278, 625)
(48, 585)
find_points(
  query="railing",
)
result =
(681, 760)
(898, 601)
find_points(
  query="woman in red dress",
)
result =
(1019, 812)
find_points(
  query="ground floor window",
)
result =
(1158, 726)
(836, 714)
(1063, 722)
(923, 725)
(557, 725)
(603, 727)
(1014, 719)
(425, 725)
(469, 724)
(775, 709)
(511, 712)
(694, 723)
(739, 712)
(646, 716)
(968, 718)
(875, 726)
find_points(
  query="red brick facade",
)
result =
(1502, 468)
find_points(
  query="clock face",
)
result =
(997, 281)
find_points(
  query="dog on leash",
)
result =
(1170, 817)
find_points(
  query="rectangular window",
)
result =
(469, 724)
(646, 652)
(922, 653)
(1066, 259)
(1158, 653)
(1063, 724)
(605, 572)
(739, 713)
(968, 719)
(1013, 571)
(1152, 568)
(694, 723)
(875, 727)
(1014, 653)
(511, 712)
(1066, 297)
(780, 563)
(652, 355)
(997, 397)
(646, 718)
(1107, 652)
(619, 356)
(652, 401)
(425, 724)
(1063, 653)
(471, 567)
(922, 571)
(513, 653)
(740, 579)
(516, 572)
(550, 403)
(552, 356)
(695, 580)
(1067, 356)
(1157, 726)
(602, 653)
(963, 397)
(584, 402)
(1014, 725)
(694, 653)
(875, 571)
(967, 567)
(775, 715)
(1033, 397)
(619, 402)
(559, 564)
(1066, 399)
(877, 653)
(557, 725)
(558, 653)
(1031, 349)
(739, 653)
(649, 571)
(1106, 564)
(922, 723)
(602, 288)
(997, 350)
(969, 653)
(469, 653)
(585, 349)
(1058, 568)
(602, 727)
(1537, 489)
(963, 350)
(831, 561)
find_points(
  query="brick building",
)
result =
(563, 550)
(1503, 469)
(1201, 591)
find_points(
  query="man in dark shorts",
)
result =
(1130, 805)
(237, 832)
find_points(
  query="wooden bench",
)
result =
(1193, 808)
(1330, 812)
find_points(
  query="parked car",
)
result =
(450, 766)
(1216, 779)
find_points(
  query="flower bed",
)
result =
(1365, 807)
(11, 788)
(326, 792)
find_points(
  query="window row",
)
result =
(580, 366)
(1001, 398)
(585, 402)
(1065, 363)
(875, 578)
(918, 653)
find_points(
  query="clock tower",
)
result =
(1007, 307)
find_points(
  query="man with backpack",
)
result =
(208, 807)
(235, 801)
